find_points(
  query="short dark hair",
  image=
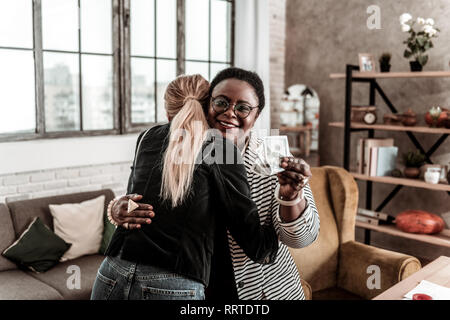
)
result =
(244, 75)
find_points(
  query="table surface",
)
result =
(437, 272)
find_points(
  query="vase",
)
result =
(385, 67)
(411, 172)
(432, 175)
(415, 66)
(409, 118)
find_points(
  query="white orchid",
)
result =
(418, 42)
(430, 22)
(404, 18)
(429, 30)
(406, 27)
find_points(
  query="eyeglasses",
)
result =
(241, 110)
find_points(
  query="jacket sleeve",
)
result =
(259, 242)
(130, 178)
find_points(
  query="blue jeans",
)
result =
(119, 279)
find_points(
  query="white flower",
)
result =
(404, 18)
(406, 28)
(421, 21)
(430, 22)
(429, 30)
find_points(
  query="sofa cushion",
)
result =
(17, 285)
(7, 237)
(38, 248)
(22, 212)
(80, 224)
(62, 277)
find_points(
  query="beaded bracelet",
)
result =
(109, 213)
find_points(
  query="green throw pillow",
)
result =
(38, 248)
(108, 232)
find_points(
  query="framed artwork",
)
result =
(366, 62)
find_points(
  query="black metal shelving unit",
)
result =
(374, 88)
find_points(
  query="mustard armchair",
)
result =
(335, 266)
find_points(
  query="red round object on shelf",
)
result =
(421, 296)
(418, 221)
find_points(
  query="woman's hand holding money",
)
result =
(292, 180)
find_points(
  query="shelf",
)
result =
(387, 75)
(296, 128)
(386, 127)
(416, 183)
(440, 239)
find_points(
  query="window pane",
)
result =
(197, 42)
(197, 67)
(142, 27)
(220, 30)
(216, 67)
(96, 26)
(60, 24)
(142, 90)
(16, 23)
(166, 71)
(61, 92)
(166, 28)
(97, 80)
(17, 101)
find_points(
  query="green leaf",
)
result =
(423, 60)
(421, 41)
(407, 54)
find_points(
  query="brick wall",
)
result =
(277, 16)
(36, 184)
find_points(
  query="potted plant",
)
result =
(418, 42)
(413, 161)
(384, 60)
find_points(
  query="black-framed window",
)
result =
(208, 40)
(83, 67)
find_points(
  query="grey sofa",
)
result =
(18, 284)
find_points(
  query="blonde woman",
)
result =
(177, 172)
(236, 100)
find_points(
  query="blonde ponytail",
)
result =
(184, 98)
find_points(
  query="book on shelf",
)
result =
(369, 143)
(359, 156)
(367, 220)
(386, 159)
(383, 218)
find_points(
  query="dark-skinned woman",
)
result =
(236, 101)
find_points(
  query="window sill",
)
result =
(46, 154)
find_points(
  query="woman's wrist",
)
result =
(109, 211)
(288, 201)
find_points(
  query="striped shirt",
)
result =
(280, 280)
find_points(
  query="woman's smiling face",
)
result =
(233, 91)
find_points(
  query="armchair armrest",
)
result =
(355, 259)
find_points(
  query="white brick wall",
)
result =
(277, 13)
(37, 184)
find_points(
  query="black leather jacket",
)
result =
(181, 239)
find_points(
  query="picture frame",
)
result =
(367, 63)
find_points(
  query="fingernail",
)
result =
(148, 221)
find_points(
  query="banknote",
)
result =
(269, 152)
